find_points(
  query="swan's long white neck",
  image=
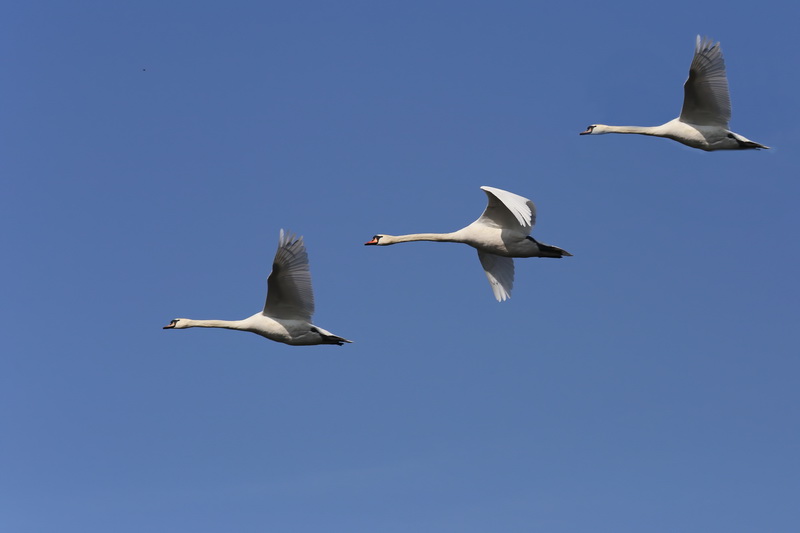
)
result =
(640, 130)
(438, 237)
(227, 324)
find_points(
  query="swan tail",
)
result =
(553, 251)
(744, 143)
(751, 144)
(547, 250)
(330, 338)
(334, 339)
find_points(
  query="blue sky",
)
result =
(152, 151)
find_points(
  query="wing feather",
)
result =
(706, 100)
(289, 292)
(508, 210)
(500, 273)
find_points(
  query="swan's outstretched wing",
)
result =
(289, 293)
(500, 272)
(705, 94)
(508, 210)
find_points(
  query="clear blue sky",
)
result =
(151, 152)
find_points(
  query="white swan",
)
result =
(703, 122)
(502, 232)
(290, 303)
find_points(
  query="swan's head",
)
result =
(595, 129)
(177, 323)
(376, 239)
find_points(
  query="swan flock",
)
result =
(502, 232)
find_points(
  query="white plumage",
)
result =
(500, 233)
(286, 316)
(706, 112)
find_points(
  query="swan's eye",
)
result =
(730, 136)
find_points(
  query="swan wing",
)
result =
(289, 293)
(500, 272)
(507, 210)
(706, 100)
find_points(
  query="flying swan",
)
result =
(706, 109)
(290, 303)
(501, 233)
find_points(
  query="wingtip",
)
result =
(500, 293)
(706, 43)
(290, 239)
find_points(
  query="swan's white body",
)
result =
(501, 233)
(703, 122)
(287, 313)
